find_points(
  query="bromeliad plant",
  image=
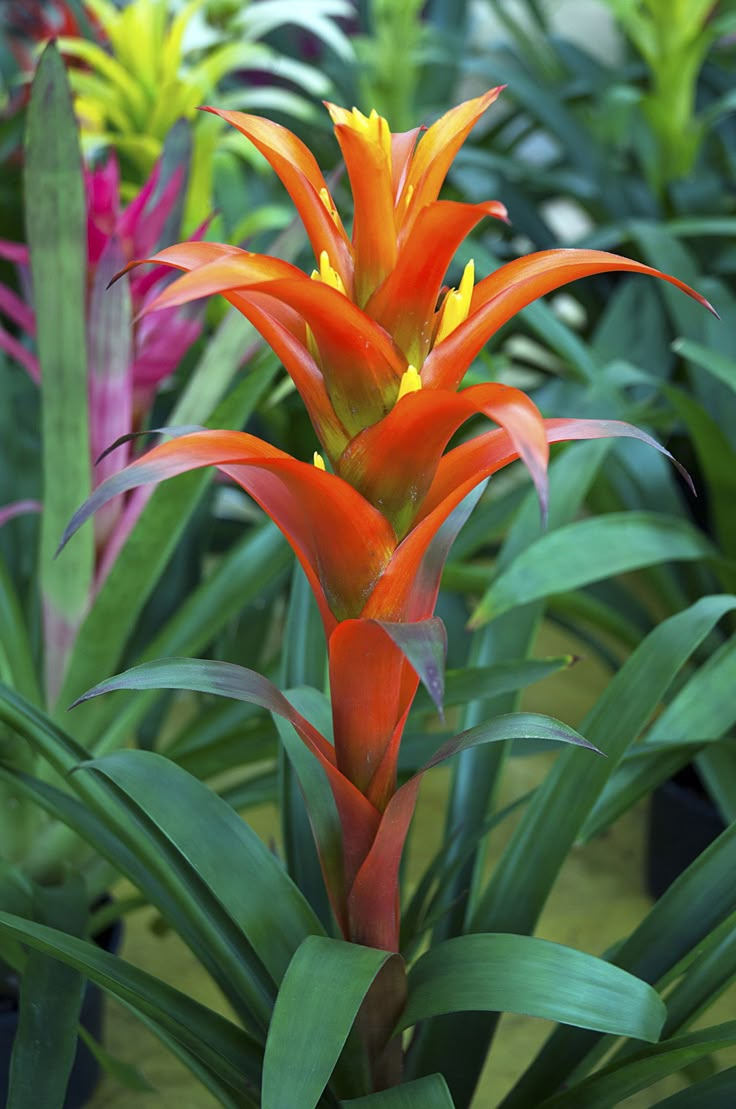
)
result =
(378, 351)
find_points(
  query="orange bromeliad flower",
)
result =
(378, 354)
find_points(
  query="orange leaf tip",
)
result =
(411, 382)
(456, 305)
(319, 461)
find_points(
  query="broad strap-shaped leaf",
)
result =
(317, 1004)
(50, 1002)
(264, 904)
(425, 1093)
(716, 1092)
(222, 679)
(523, 974)
(588, 551)
(622, 1079)
(57, 236)
(231, 1057)
(514, 897)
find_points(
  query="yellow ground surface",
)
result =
(598, 898)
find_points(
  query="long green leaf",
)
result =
(208, 1038)
(588, 551)
(50, 1001)
(523, 974)
(57, 236)
(303, 663)
(699, 901)
(521, 882)
(426, 1093)
(317, 1004)
(612, 1085)
(716, 1092)
(230, 861)
(701, 712)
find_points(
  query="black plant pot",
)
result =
(85, 1072)
(683, 821)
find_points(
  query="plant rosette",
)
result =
(378, 350)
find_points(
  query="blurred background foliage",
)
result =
(617, 130)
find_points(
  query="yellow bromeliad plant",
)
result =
(154, 65)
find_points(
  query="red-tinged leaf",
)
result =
(302, 178)
(402, 148)
(225, 272)
(435, 153)
(342, 542)
(110, 362)
(424, 643)
(17, 310)
(22, 355)
(463, 467)
(500, 296)
(373, 900)
(374, 233)
(18, 508)
(222, 679)
(361, 367)
(408, 586)
(366, 655)
(393, 463)
(405, 302)
(407, 590)
(374, 897)
(364, 659)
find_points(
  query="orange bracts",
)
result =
(378, 355)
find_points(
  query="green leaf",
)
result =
(424, 643)
(514, 725)
(231, 1058)
(303, 663)
(262, 903)
(17, 666)
(125, 1074)
(700, 900)
(522, 880)
(317, 1004)
(523, 974)
(717, 1092)
(50, 1000)
(426, 1093)
(588, 551)
(57, 235)
(702, 711)
(484, 682)
(615, 1083)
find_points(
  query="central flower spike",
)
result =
(380, 368)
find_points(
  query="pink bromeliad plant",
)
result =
(127, 356)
